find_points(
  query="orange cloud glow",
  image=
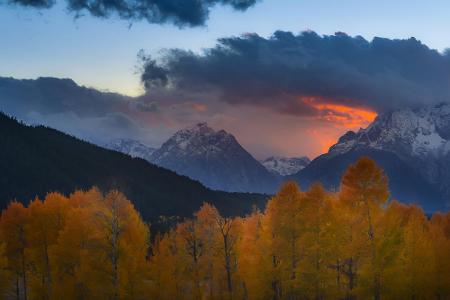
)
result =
(340, 115)
(199, 107)
(323, 137)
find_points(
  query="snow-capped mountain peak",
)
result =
(191, 135)
(419, 138)
(198, 140)
(285, 165)
(411, 132)
(215, 158)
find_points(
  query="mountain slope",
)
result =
(216, 159)
(133, 148)
(285, 165)
(36, 160)
(412, 145)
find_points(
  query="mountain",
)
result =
(36, 159)
(285, 165)
(216, 159)
(133, 148)
(412, 145)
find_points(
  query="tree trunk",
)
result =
(371, 234)
(47, 275)
(17, 287)
(115, 231)
(277, 293)
(228, 264)
(24, 276)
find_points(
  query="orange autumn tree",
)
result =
(282, 230)
(439, 231)
(85, 246)
(198, 258)
(13, 225)
(311, 244)
(5, 279)
(318, 255)
(254, 268)
(364, 191)
(351, 244)
(46, 220)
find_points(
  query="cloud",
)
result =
(276, 72)
(99, 116)
(285, 95)
(84, 112)
(33, 3)
(179, 12)
(53, 95)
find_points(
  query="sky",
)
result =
(102, 53)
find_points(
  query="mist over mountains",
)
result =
(411, 144)
(36, 160)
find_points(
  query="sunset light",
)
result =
(339, 114)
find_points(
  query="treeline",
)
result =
(352, 244)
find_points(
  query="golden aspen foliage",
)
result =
(254, 268)
(389, 245)
(282, 231)
(46, 220)
(415, 266)
(13, 225)
(348, 244)
(71, 255)
(93, 247)
(439, 231)
(229, 234)
(364, 190)
(6, 278)
(213, 264)
(121, 247)
(166, 269)
(75, 247)
(317, 278)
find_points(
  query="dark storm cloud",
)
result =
(153, 75)
(32, 3)
(178, 12)
(53, 95)
(276, 71)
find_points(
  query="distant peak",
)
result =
(285, 165)
(278, 157)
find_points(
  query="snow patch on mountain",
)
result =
(285, 165)
(132, 147)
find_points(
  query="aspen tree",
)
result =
(13, 225)
(365, 188)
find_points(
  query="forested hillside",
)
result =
(38, 160)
